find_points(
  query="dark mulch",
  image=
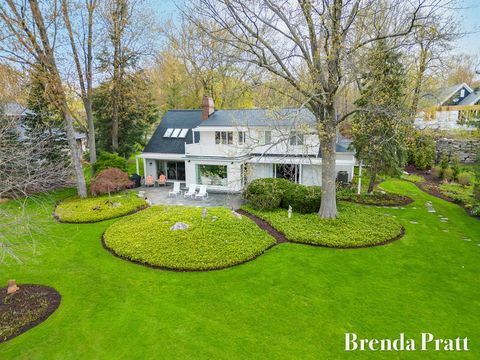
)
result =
(262, 224)
(28, 307)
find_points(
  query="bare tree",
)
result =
(28, 38)
(28, 165)
(310, 45)
(85, 70)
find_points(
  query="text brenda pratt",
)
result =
(424, 342)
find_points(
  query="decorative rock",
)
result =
(116, 204)
(237, 215)
(204, 213)
(12, 287)
(179, 226)
(97, 207)
(214, 218)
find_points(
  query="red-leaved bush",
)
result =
(110, 180)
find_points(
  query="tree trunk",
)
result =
(328, 207)
(422, 66)
(373, 178)
(91, 134)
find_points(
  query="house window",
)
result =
(268, 137)
(212, 175)
(287, 171)
(462, 93)
(241, 137)
(224, 137)
(296, 138)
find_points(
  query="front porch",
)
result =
(160, 196)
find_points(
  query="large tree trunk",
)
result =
(91, 133)
(328, 206)
(422, 66)
(373, 178)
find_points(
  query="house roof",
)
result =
(442, 95)
(174, 119)
(471, 99)
(259, 117)
(15, 109)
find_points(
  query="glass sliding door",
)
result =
(176, 170)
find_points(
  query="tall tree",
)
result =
(379, 131)
(310, 45)
(33, 43)
(84, 68)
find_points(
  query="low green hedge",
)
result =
(356, 226)
(266, 194)
(98, 208)
(302, 199)
(218, 241)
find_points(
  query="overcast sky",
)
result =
(469, 16)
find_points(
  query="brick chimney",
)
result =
(208, 107)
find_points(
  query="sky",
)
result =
(469, 16)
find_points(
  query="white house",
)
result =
(225, 149)
(450, 108)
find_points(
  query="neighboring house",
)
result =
(19, 113)
(225, 149)
(450, 108)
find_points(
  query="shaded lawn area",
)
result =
(293, 302)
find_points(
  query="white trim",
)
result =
(295, 160)
(456, 89)
(162, 156)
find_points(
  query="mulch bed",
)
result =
(401, 201)
(26, 308)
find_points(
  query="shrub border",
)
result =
(408, 200)
(282, 238)
(52, 307)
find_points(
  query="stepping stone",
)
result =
(432, 211)
(466, 239)
(414, 208)
(445, 230)
(413, 222)
(443, 218)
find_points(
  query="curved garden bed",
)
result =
(26, 308)
(217, 241)
(356, 226)
(98, 208)
(376, 199)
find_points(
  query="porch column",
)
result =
(136, 163)
(144, 171)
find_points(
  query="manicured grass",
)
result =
(98, 208)
(293, 302)
(218, 241)
(356, 226)
(414, 178)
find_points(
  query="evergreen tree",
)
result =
(137, 113)
(379, 127)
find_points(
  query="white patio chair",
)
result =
(202, 193)
(191, 192)
(176, 189)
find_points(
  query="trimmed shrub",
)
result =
(302, 199)
(422, 151)
(455, 167)
(266, 194)
(444, 162)
(476, 191)
(437, 171)
(110, 160)
(110, 180)
(464, 178)
(447, 174)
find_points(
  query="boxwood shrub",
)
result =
(220, 240)
(302, 199)
(98, 208)
(266, 194)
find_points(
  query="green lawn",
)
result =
(293, 302)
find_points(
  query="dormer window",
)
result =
(224, 137)
(241, 137)
(462, 93)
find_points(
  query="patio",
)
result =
(160, 195)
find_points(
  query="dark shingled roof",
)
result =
(260, 117)
(176, 119)
(188, 119)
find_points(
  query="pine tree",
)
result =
(379, 128)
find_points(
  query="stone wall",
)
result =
(466, 150)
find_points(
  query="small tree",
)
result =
(108, 160)
(110, 180)
(379, 130)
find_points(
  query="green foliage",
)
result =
(137, 113)
(413, 178)
(444, 163)
(302, 199)
(98, 208)
(455, 167)
(373, 198)
(107, 160)
(437, 171)
(218, 241)
(266, 194)
(476, 191)
(448, 174)
(465, 178)
(459, 193)
(379, 128)
(355, 226)
(421, 150)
